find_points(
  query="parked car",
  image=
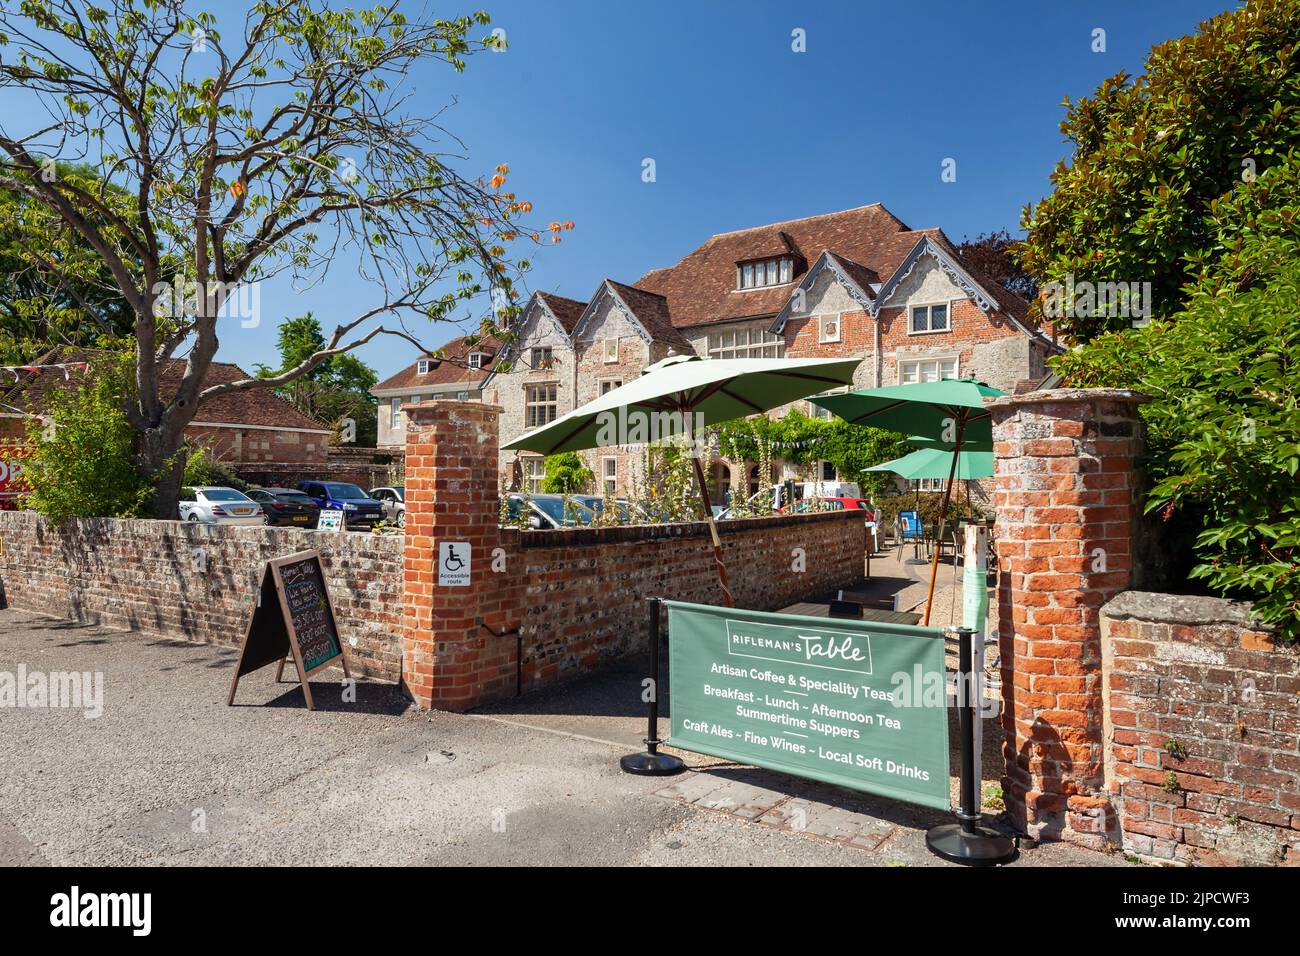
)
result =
(360, 510)
(776, 497)
(548, 511)
(284, 506)
(393, 500)
(597, 504)
(845, 503)
(213, 504)
(829, 489)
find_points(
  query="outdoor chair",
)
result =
(907, 529)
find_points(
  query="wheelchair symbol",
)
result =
(452, 561)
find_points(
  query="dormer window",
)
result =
(477, 359)
(422, 366)
(764, 273)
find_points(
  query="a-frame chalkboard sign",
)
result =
(293, 618)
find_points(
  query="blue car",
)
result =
(360, 510)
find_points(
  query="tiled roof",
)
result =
(866, 278)
(651, 310)
(256, 405)
(701, 288)
(567, 311)
(452, 369)
(869, 242)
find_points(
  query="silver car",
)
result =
(213, 504)
(393, 498)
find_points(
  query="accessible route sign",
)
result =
(854, 703)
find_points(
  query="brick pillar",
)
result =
(449, 660)
(1065, 495)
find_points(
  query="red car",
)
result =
(832, 504)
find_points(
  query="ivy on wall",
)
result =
(801, 440)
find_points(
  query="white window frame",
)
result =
(921, 359)
(929, 317)
(534, 474)
(608, 474)
(475, 359)
(753, 274)
(395, 415)
(422, 367)
(610, 350)
(537, 421)
(608, 385)
(822, 322)
(758, 343)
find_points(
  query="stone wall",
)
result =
(176, 579)
(1203, 723)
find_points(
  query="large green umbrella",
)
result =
(680, 396)
(937, 463)
(950, 411)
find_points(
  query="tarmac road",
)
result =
(169, 775)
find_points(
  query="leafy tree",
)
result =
(995, 254)
(335, 390)
(1224, 421)
(276, 148)
(566, 474)
(1163, 165)
(81, 464)
(55, 289)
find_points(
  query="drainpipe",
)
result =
(879, 369)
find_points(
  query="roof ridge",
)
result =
(820, 215)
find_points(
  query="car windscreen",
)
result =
(223, 494)
(401, 492)
(295, 498)
(344, 492)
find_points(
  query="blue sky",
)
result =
(744, 131)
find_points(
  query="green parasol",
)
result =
(950, 411)
(681, 395)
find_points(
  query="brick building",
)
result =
(457, 372)
(853, 283)
(251, 426)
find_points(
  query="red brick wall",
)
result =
(971, 326)
(262, 445)
(1203, 727)
(1064, 493)
(141, 574)
(856, 337)
(576, 597)
(580, 594)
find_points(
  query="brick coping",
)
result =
(1070, 395)
(568, 537)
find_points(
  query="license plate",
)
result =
(302, 518)
(241, 511)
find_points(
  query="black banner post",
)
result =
(967, 841)
(651, 762)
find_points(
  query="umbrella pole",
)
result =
(943, 518)
(713, 529)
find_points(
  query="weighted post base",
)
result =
(979, 846)
(651, 765)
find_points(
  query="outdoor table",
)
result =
(815, 609)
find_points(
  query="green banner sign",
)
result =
(859, 704)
